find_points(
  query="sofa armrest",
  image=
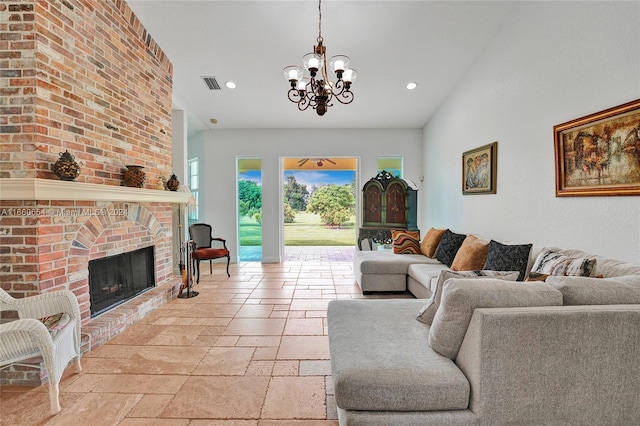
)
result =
(561, 364)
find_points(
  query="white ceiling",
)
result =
(390, 43)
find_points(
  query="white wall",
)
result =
(179, 144)
(554, 62)
(218, 151)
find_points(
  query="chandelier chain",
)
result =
(319, 19)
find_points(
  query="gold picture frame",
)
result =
(479, 170)
(599, 154)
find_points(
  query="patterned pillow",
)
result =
(505, 257)
(428, 311)
(534, 276)
(430, 241)
(448, 247)
(406, 242)
(55, 323)
(553, 263)
(471, 255)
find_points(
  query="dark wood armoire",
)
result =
(388, 203)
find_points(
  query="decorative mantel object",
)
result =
(66, 167)
(479, 169)
(599, 154)
(173, 183)
(134, 177)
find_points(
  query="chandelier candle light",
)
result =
(317, 90)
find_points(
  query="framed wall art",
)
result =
(479, 167)
(599, 154)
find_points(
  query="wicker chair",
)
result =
(27, 337)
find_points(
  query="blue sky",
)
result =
(309, 177)
(254, 175)
(317, 178)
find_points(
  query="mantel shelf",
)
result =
(47, 189)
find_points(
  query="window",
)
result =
(391, 164)
(194, 187)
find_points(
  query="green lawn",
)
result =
(250, 232)
(305, 231)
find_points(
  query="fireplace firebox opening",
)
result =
(115, 279)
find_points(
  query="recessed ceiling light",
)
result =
(412, 86)
(230, 85)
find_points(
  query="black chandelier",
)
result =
(317, 90)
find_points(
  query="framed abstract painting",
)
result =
(599, 154)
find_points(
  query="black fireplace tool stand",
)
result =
(186, 270)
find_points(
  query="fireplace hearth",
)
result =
(115, 279)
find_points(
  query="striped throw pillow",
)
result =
(406, 242)
(554, 263)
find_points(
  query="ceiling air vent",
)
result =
(211, 83)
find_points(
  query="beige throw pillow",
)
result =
(430, 242)
(428, 311)
(461, 297)
(471, 255)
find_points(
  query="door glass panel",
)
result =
(250, 209)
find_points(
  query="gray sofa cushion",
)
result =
(428, 311)
(597, 291)
(461, 297)
(424, 273)
(418, 290)
(380, 359)
(386, 262)
(406, 418)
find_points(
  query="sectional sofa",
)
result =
(487, 350)
(387, 271)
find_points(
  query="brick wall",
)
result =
(83, 76)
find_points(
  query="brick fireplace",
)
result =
(47, 244)
(85, 77)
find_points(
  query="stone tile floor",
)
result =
(248, 350)
(299, 253)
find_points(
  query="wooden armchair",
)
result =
(28, 337)
(202, 237)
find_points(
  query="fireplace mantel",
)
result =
(47, 189)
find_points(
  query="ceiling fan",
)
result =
(319, 161)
